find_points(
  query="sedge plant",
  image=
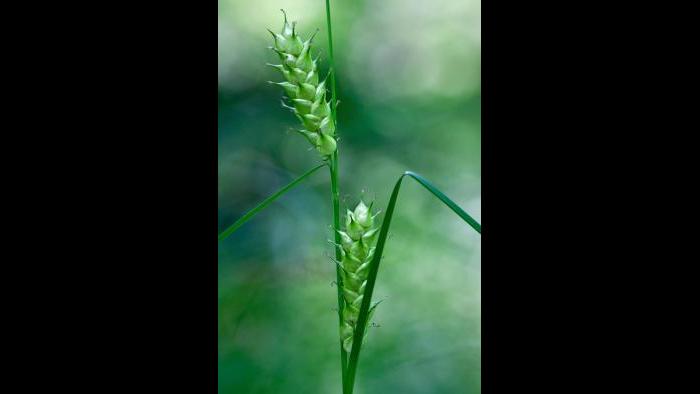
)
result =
(360, 242)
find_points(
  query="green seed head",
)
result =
(307, 97)
(357, 243)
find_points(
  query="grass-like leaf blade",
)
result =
(224, 234)
(374, 266)
(459, 211)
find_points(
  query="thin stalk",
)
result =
(332, 61)
(335, 196)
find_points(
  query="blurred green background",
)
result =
(409, 85)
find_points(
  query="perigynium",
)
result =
(358, 246)
(305, 93)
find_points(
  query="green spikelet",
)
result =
(306, 94)
(358, 243)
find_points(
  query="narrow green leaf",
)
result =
(224, 234)
(374, 265)
(459, 211)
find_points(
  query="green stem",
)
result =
(335, 197)
(330, 54)
(335, 194)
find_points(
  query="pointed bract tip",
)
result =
(284, 105)
(313, 35)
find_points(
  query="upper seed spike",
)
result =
(301, 85)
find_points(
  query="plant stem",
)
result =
(330, 54)
(339, 281)
(335, 196)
